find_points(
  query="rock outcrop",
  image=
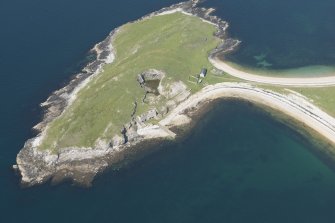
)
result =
(37, 166)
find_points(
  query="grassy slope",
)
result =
(177, 44)
(324, 97)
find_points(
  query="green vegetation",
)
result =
(177, 44)
(322, 97)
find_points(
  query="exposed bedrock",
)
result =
(82, 164)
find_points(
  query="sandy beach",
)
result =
(37, 166)
(292, 105)
(282, 81)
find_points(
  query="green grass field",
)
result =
(323, 97)
(177, 44)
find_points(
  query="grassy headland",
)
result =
(176, 44)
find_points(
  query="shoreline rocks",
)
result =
(81, 165)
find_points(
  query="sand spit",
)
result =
(303, 82)
(292, 105)
(81, 165)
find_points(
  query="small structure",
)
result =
(203, 73)
(199, 77)
(140, 80)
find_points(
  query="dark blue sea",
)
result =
(282, 33)
(237, 165)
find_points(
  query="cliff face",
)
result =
(82, 164)
(37, 167)
(34, 166)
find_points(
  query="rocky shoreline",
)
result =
(36, 166)
(81, 165)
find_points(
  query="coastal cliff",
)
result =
(37, 166)
(137, 92)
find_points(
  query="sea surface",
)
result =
(280, 34)
(237, 165)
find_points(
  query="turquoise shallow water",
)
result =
(238, 165)
(280, 34)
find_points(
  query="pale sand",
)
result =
(292, 105)
(320, 121)
(283, 81)
(155, 131)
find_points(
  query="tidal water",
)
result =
(280, 34)
(238, 165)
